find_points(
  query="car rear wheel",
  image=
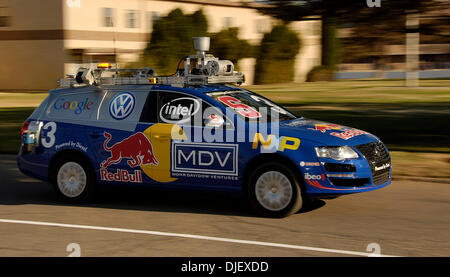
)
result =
(274, 190)
(73, 180)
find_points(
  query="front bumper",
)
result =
(371, 171)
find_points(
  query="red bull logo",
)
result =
(347, 133)
(136, 147)
(325, 127)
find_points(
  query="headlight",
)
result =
(336, 152)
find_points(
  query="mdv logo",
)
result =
(203, 158)
(122, 105)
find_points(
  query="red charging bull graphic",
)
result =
(324, 127)
(136, 147)
(347, 134)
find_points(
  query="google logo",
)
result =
(77, 107)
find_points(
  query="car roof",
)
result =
(194, 90)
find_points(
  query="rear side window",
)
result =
(77, 106)
(122, 106)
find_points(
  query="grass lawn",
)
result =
(14, 100)
(407, 119)
(11, 123)
(358, 92)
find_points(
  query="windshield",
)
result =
(251, 106)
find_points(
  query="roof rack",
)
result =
(199, 69)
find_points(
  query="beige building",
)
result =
(41, 41)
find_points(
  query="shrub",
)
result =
(276, 56)
(320, 73)
(227, 46)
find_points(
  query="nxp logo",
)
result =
(122, 105)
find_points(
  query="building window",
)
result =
(5, 18)
(108, 18)
(132, 19)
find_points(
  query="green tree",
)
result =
(227, 45)
(276, 56)
(334, 13)
(171, 39)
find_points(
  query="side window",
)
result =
(149, 112)
(122, 106)
(179, 108)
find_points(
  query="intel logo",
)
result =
(179, 110)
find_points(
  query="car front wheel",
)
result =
(274, 190)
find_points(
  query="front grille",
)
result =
(381, 178)
(334, 167)
(379, 160)
(357, 182)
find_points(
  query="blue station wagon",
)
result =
(191, 130)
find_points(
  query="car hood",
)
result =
(324, 132)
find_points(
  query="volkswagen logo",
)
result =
(122, 105)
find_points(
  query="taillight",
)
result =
(25, 127)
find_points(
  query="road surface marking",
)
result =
(189, 236)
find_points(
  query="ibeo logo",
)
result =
(314, 177)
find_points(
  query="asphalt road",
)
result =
(407, 218)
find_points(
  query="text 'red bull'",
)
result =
(121, 175)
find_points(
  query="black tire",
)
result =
(90, 187)
(294, 202)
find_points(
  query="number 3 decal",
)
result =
(49, 139)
